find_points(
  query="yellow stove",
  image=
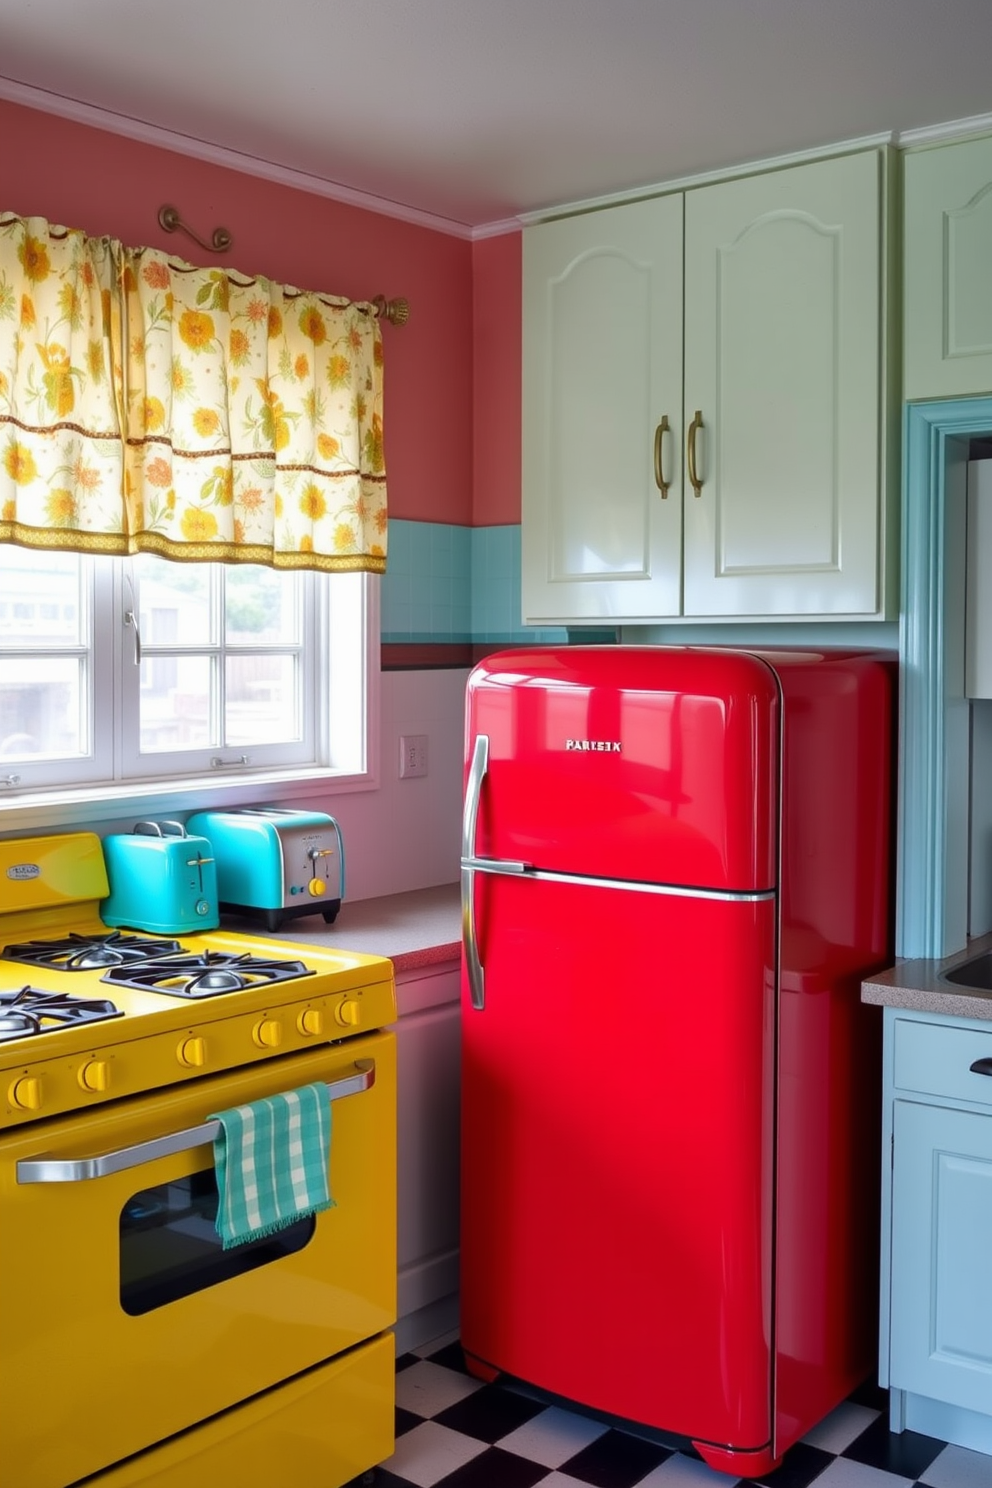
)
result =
(89, 1014)
(272, 1362)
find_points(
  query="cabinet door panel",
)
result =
(941, 1324)
(428, 1094)
(602, 365)
(782, 360)
(948, 270)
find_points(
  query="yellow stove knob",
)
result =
(95, 1075)
(192, 1052)
(315, 887)
(310, 1021)
(25, 1093)
(346, 1012)
(267, 1033)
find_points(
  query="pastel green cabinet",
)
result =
(737, 468)
(947, 283)
(601, 533)
(937, 1224)
(942, 1215)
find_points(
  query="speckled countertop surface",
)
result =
(916, 985)
(417, 929)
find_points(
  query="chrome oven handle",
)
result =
(473, 791)
(79, 1169)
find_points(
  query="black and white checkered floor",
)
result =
(454, 1431)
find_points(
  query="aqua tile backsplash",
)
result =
(448, 584)
(445, 583)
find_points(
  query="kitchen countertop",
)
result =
(916, 985)
(416, 929)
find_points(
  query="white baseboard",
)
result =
(416, 1329)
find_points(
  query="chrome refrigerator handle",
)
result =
(473, 791)
(79, 1169)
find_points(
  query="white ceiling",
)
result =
(477, 111)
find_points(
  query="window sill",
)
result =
(75, 807)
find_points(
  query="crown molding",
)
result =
(184, 144)
(942, 134)
(95, 117)
(497, 229)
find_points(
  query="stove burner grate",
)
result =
(30, 1011)
(209, 975)
(74, 952)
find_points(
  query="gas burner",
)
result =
(31, 1011)
(75, 952)
(208, 975)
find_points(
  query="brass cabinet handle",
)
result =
(659, 479)
(696, 425)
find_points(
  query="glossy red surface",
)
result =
(836, 928)
(671, 1103)
(687, 798)
(617, 1233)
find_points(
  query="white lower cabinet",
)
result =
(937, 1290)
(428, 1056)
(707, 421)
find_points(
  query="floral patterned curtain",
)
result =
(61, 442)
(194, 413)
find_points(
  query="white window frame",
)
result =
(67, 792)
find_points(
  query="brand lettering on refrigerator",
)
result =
(606, 746)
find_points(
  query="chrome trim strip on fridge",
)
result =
(470, 864)
(678, 891)
(80, 1169)
(473, 790)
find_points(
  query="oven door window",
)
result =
(169, 1246)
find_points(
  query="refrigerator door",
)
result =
(654, 764)
(617, 1150)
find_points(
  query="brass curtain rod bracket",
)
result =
(220, 240)
(397, 312)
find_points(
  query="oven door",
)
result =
(124, 1319)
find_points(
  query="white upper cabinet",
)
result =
(947, 282)
(602, 420)
(782, 359)
(739, 474)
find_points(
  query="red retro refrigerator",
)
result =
(676, 871)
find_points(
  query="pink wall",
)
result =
(496, 317)
(103, 183)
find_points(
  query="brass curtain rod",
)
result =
(396, 311)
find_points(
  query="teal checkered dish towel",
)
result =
(272, 1159)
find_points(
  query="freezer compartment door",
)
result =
(647, 763)
(617, 1153)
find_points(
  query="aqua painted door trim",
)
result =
(931, 894)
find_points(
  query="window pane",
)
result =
(39, 707)
(40, 599)
(175, 704)
(261, 606)
(262, 700)
(174, 602)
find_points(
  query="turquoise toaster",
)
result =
(275, 863)
(161, 880)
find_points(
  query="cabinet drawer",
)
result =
(936, 1060)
